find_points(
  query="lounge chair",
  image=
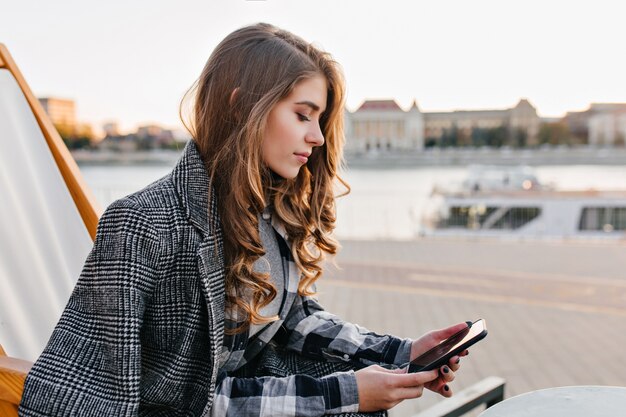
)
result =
(48, 219)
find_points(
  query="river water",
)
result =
(383, 203)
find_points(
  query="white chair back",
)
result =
(43, 239)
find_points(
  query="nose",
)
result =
(315, 136)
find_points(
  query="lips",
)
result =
(302, 157)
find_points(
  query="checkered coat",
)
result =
(143, 331)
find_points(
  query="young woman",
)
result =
(198, 296)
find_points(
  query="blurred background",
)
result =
(485, 149)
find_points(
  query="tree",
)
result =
(518, 138)
(450, 137)
(496, 137)
(429, 142)
(479, 136)
(556, 133)
(66, 131)
(75, 137)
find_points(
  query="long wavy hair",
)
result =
(262, 64)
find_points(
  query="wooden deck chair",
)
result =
(48, 220)
(12, 375)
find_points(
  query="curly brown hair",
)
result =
(263, 64)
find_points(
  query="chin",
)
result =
(291, 175)
(285, 174)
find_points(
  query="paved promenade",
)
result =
(556, 312)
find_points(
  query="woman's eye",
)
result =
(303, 118)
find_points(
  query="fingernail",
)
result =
(458, 360)
(469, 323)
(446, 369)
(446, 388)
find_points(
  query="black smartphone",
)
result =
(455, 344)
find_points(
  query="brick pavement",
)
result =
(533, 345)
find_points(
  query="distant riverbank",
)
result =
(502, 156)
(154, 157)
(403, 158)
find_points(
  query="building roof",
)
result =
(607, 107)
(467, 113)
(379, 105)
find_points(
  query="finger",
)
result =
(411, 392)
(381, 369)
(394, 369)
(462, 354)
(436, 385)
(446, 391)
(455, 363)
(445, 333)
(446, 373)
(440, 387)
(415, 378)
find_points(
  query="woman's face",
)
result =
(293, 127)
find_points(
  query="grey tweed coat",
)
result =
(130, 325)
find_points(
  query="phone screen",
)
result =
(454, 342)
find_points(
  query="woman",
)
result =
(198, 295)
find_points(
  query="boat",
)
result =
(494, 177)
(503, 202)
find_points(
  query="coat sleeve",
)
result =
(295, 395)
(91, 365)
(316, 333)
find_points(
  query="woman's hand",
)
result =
(382, 389)
(446, 372)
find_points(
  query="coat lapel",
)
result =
(192, 183)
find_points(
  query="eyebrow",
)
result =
(310, 104)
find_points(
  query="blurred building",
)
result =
(146, 137)
(607, 124)
(519, 124)
(119, 143)
(383, 125)
(577, 123)
(84, 130)
(602, 124)
(155, 136)
(111, 129)
(60, 111)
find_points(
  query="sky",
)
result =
(131, 61)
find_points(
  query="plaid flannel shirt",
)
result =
(304, 327)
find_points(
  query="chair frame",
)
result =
(83, 198)
(12, 376)
(13, 371)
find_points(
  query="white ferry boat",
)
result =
(511, 202)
